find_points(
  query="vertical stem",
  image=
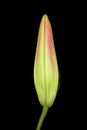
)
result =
(41, 119)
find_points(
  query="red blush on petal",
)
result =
(49, 40)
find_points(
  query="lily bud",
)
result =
(46, 76)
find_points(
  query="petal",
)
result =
(39, 64)
(51, 65)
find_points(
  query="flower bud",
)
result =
(46, 75)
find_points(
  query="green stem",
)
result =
(43, 115)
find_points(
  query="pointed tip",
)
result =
(45, 16)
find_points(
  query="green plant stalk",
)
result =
(41, 119)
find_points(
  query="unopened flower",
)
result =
(46, 74)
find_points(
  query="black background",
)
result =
(21, 24)
(57, 114)
(64, 112)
